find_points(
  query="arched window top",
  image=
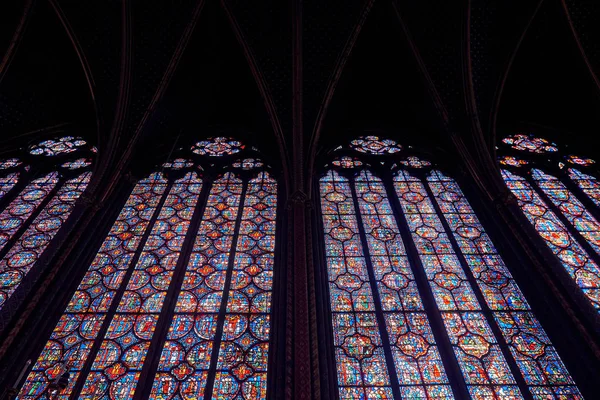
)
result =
(530, 143)
(199, 230)
(57, 146)
(561, 202)
(417, 288)
(375, 145)
(218, 146)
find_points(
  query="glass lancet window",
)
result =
(416, 289)
(560, 201)
(35, 202)
(177, 302)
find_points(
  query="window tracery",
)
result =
(206, 243)
(552, 193)
(38, 201)
(402, 318)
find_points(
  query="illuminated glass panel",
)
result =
(530, 144)
(53, 147)
(573, 257)
(587, 183)
(570, 206)
(375, 145)
(185, 357)
(347, 162)
(7, 183)
(9, 163)
(79, 326)
(418, 363)
(248, 164)
(218, 146)
(484, 368)
(76, 164)
(119, 361)
(536, 357)
(361, 366)
(415, 162)
(178, 163)
(27, 250)
(513, 161)
(242, 364)
(23, 206)
(582, 161)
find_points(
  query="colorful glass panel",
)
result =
(361, 366)
(375, 145)
(218, 146)
(77, 329)
(53, 147)
(420, 370)
(7, 183)
(347, 162)
(573, 257)
(10, 163)
(536, 357)
(243, 354)
(513, 161)
(530, 143)
(186, 353)
(22, 207)
(30, 246)
(76, 164)
(571, 208)
(415, 162)
(582, 161)
(587, 183)
(248, 164)
(484, 368)
(178, 163)
(119, 361)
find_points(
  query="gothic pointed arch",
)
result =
(177, 301)
(421, 304)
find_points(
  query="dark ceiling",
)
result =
(297, 78)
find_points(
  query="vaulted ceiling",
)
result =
(295, 78)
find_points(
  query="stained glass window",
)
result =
(248, 164)
(177, 302)
(581, 161)
(347, 162)
(375, 145)
(557, 236)
(401, 319)
(555, 207)
(531, 348)
(415, 162)
(530, 143)
(32, 217)
(588, 184)
(53, 147)
(218, 146)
